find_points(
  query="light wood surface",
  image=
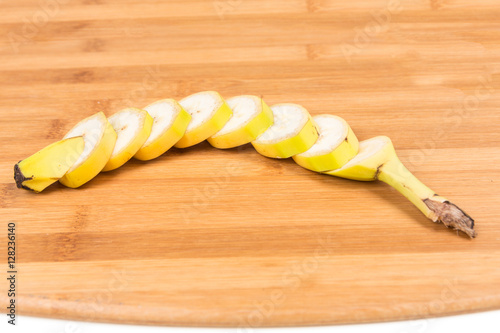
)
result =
(204, 237)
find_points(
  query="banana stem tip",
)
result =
(451, 216)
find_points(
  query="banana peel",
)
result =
(48, 165)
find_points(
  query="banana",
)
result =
(169, 125)
(209, 113)
(377, 160)
(100, 139)
(293, 132)
(324, 143)
(335, 146)
(47, 166)
(132, 127)
(251, 117)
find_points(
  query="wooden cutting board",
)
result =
(205, 237)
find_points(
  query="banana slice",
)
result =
(100, 139)
(377, 160)
(365, 165)
(169, 125)
(133, 127)
(47, 166)
(251, 117)
(293, 132)
(209, 113)
(335, 146)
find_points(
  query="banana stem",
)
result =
(434, 207)
(398, 176)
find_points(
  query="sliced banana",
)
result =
(377, 160)
(335, 146)
(251, 117)
(47, 166)
(133, 127)
(100, 139)
(209, 113)
(293, 132)
(170, 121)
(365, 165)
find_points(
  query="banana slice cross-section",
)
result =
(100, 139)
(170, 121)
(209, 113)
(47, 166)
(336, 145)
(377, 160)
(293, 132)
(133, 127)
(251, 117)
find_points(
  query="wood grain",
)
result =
(204, 237)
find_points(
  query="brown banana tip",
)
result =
(20, 178)
(452, 216)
